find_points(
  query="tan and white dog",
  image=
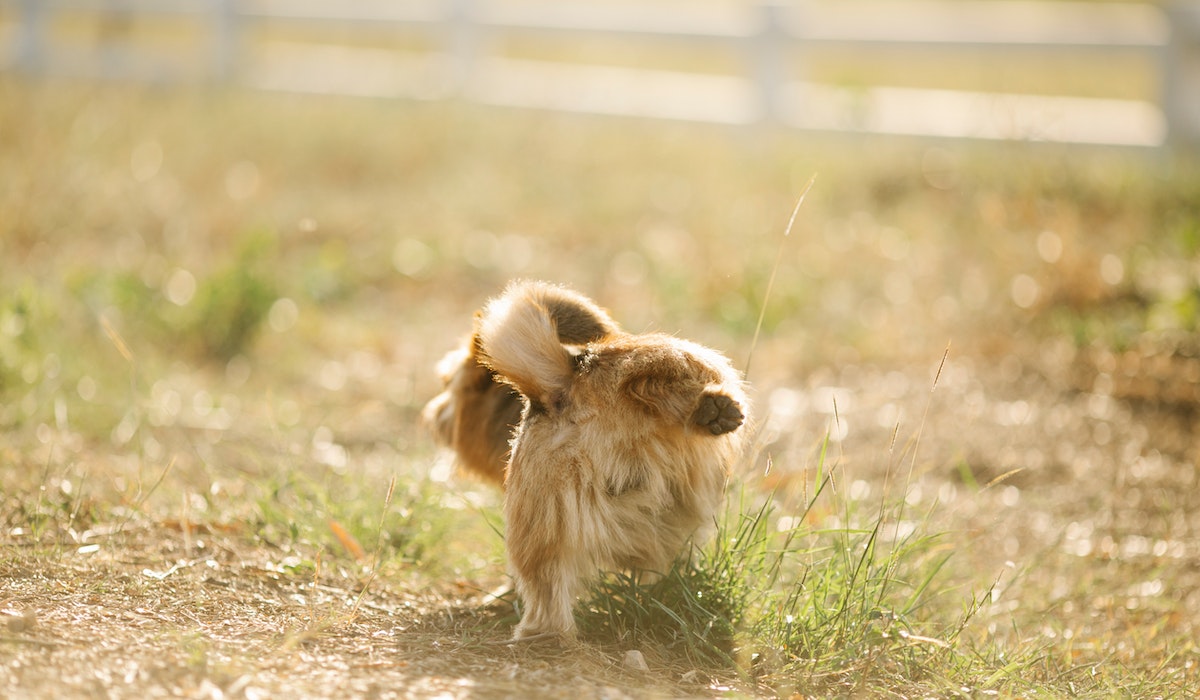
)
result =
(621, 450)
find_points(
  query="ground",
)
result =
(219, 314)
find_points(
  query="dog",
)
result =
(621, 451)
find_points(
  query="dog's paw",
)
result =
(718, 413)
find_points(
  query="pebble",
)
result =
(634, 661)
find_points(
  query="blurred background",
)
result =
(315, 191)
(209, 178)
(1101, 72)
(205, 170)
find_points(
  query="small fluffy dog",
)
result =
(621, 450)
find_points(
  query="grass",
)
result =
(218, 318)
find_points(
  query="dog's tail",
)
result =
(523, 334)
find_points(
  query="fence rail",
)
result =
(770, 38)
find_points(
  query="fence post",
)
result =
(1181, 74)
(462, 44)
(769, 57)
(226, 39)
(31, 37)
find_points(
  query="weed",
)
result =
(232, 303)
(19, 352)
(698, 608)
(213, 318)
(797, 608)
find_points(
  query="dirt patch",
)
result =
(131, 620)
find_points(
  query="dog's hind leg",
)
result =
(718, 413)
(543, 553)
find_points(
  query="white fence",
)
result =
(451, 51)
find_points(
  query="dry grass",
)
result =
(218, 314)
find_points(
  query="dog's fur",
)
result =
(622, 448)
(476, 414)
